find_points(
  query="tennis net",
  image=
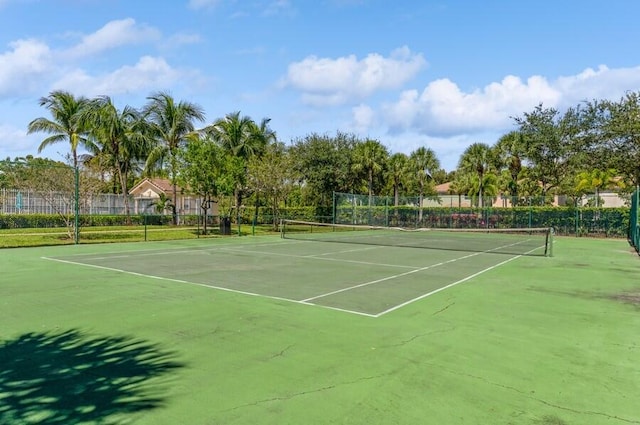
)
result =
(529, 241)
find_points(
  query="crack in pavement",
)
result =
(443, 309)
(281, 353)
(413, 338)
(294, 395)
(545, 402)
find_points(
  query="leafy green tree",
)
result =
(596, 180)
(423, 162)
(616, 129)
(477, 160)
(170, 123)
(243, 139)
(54, 182)
(65, 124)
(369, 160)
(202, 166)
(552, 143)
(272, 177)
(508, 153)
(323, 166)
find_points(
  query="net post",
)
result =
(333, 204)
(548, 251)
(386, 211)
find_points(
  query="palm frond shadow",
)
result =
(71, 377)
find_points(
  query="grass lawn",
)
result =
(535, 341)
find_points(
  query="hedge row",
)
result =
(565, 220)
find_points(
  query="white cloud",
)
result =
(182, 39)
(327, 81)
(446, 118)
(21, 67)
(30, 66)
(114, 34)
(148, 74)
(602, 83)
(13, 139)
(442, 108)
(363, 118)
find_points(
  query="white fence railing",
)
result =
(13, 201)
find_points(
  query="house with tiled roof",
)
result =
(148, 192)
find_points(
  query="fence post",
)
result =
(77, 205)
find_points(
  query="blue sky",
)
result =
(441, 74)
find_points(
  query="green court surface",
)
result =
(263, 330)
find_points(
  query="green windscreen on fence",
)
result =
(567, 216)
(634, 221)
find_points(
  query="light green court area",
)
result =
(260, 330)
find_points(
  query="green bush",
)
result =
(608, 222)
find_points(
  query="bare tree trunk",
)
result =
(125, 195)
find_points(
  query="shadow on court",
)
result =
(71, 377)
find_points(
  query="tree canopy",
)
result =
(587, 148)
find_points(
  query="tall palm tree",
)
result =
(369, 158)
(243, 139)
(122, 137)
(170, 124)
(64, 124)
(509, 151)
(423, 162)
(397, 174)
(477, 159)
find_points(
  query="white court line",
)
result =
(414, 271)
(204, 285)
(317, 257)
(307, 301)
(395, 276)
(406, 303)
(343, 252)
(163, 251)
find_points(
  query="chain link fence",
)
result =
(575, 217)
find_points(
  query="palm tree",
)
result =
(423, 163)
(171, 122)
(65, 124)
(477, 159)
(461, 185)
(240, 135)
(597, 180)
(509, 151)
(397, 174)
(369, 158)
(122, 137)
(243, 139)
(488, 185)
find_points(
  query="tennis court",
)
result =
(369, 272)
(335, 332)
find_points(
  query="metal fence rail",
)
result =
(14, 201)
